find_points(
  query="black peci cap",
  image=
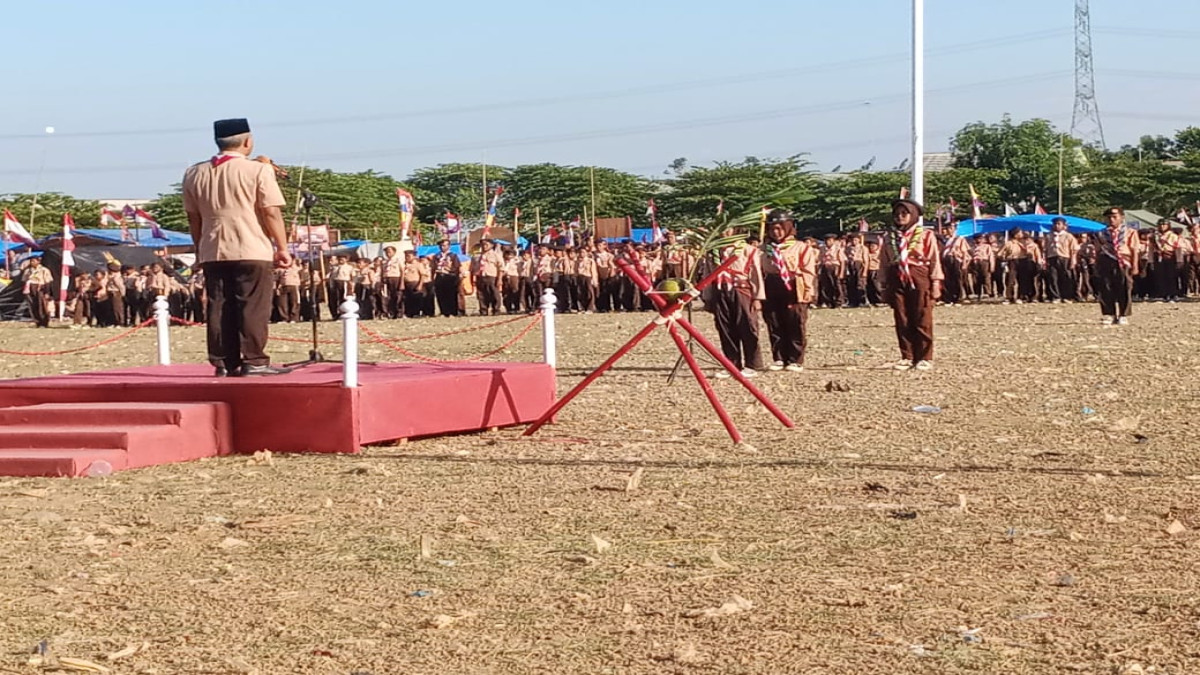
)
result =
(230, 127)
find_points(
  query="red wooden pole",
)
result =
(641, 282)
(705, 385)
(562, 402)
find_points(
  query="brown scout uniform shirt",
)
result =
(228, 198)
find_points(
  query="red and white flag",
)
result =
(144, 219)
(16, 231)
(863, 225)
(68, 262)
(111, 218)
(1038, 209)
(656, 235)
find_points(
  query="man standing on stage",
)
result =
(913, 277)
(1061, 253)
(233, 210)
(1117, 263)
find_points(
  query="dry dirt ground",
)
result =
(1046, 521)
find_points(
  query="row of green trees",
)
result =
(1006, 162)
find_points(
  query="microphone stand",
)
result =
(308, 201)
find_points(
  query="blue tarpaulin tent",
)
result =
(140, 237)
(1028, 222)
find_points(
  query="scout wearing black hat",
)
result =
(230, 127)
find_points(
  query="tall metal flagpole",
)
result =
(918, 102)
(592, 177)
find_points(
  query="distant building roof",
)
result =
(936, 162)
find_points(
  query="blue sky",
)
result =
(131, 87)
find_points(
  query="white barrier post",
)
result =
(549, 341)
(162, 315)
(349, 310)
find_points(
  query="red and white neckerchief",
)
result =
(1114, 239)
(726, 276)
(910, 239)
(781, 262)
(221, 159)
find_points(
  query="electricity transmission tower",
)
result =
(1085, 121)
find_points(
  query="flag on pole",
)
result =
(953, 205)
(1183, 216)
(15, 230)
(976, 203)
(68, 262)
(863, 225)
(656, 235)
(143, 219)
(1038, 209)
(1009, 211)
(111, 218)
(408, 207)
(490, 219)
(571, 228)
(453, 225)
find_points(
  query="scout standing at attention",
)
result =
(1117, 263)
(913, 277)
(789, 269)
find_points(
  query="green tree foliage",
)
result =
(454, 187)
(1158, 187)
(50, 209)
(693, 195)
(564, 192)
(1027, 153)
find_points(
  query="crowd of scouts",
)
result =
(910, 267)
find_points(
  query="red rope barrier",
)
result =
(411, 338)
(390, 344)
(75, 350)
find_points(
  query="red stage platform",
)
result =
(309, 411)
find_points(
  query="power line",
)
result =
(654, 89)
(551, 139)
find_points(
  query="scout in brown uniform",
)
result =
(289, 293)
(1020, 267)
(832, 283)
(364, 288)
(789, 270)
(413, 282)
(678, 261)
(393, 281)
(1164, 253)
(37, 291)
(530, 300)
(855, 254)
(1061, 252)
(607, 295)
(983, 267)
(1085, 268)
(446, 278)
(513, 288)
(1117, 262)
(486, 270)
(114, 290)
(587, 280)
(233, 210)
(874, 284)
(79, 304)
(912, 268)
(735, 300)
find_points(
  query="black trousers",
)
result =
(395, 297)
(1059, 284)
(1114, 287)
(737, 326)
(288, 303)
(445, 287)
(37, 305)
(608, 295)
(239, 311)
(1166, 277)
(786, 321)
(488, 291)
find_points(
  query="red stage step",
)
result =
(66, 439)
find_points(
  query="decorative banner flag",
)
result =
(111, 218)
(571, 228)
(453, 225)
(408, 207)
(68, 261)
(1038, 209)
(656, 234)
(976, 203)
(14, 229)
(863, 225)
(144, 219)
(953, 205)
(1183, 216)
(490, 218)
(1009, 211)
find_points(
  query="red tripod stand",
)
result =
(669, 315)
